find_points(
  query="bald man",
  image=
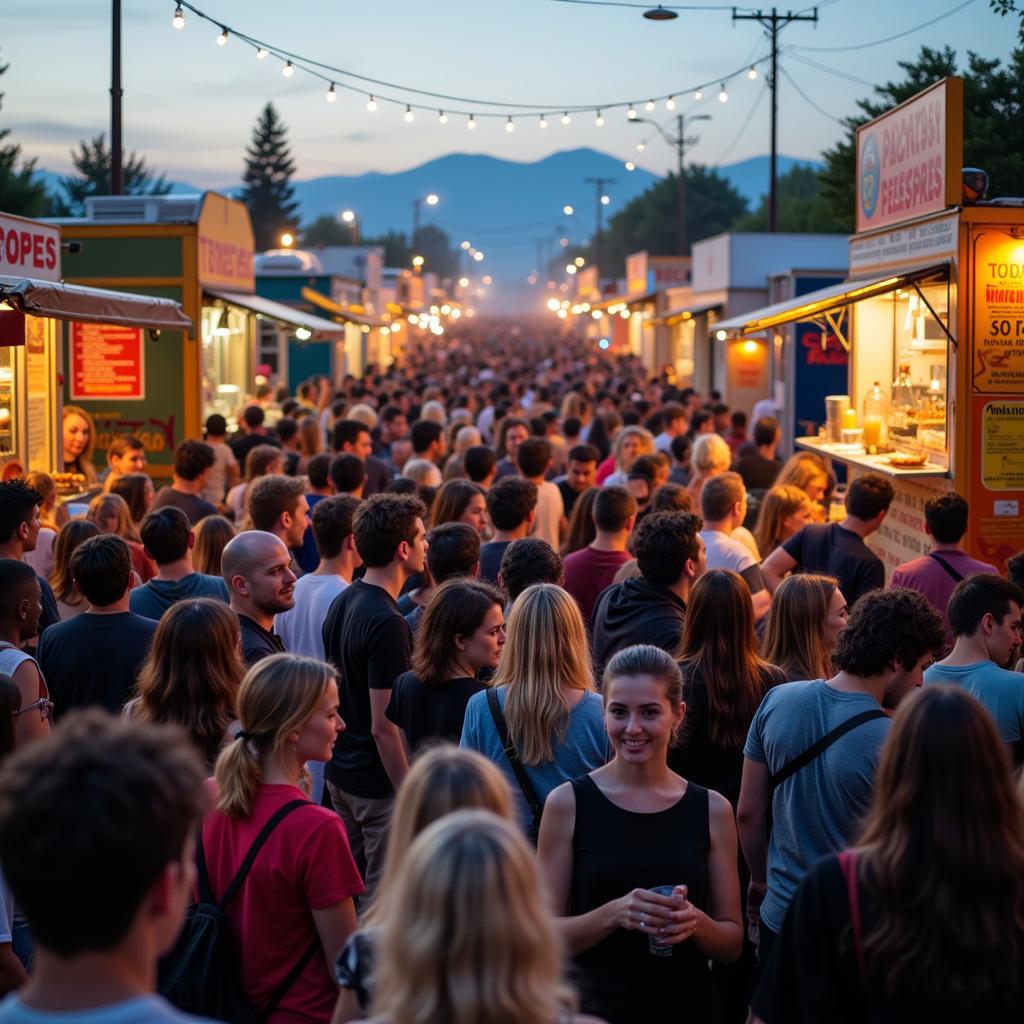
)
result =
(257, 569)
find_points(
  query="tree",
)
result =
(993, 123)
(327, 230)
(648, 221)
(92, 162)
(20, 193)
(396, 248)
(802, 207)
(267, 191)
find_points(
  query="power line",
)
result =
(788, 51)
(887, 39)
(820, 110)
(743, 127)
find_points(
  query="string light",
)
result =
(471, 123)
(605, 200)
(223, 37)
(442, 117)
(178, 21)
(599, 120)
(262, 52)
(630, 166)
(631, 113)
(288, 70)
(543, 122)
(371, 104)
(670, 103)
(566, 118)
(510, 125)
(698, 95)
(331, 94)
(649, 106)
(640, 147)
(723, 96)
(752, 74)
(408, 115)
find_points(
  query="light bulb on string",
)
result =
(371, 104)
(640, 147)
(408, 115)
(471, 123)
(723, 96)
(698, 95)
(222, 39)
(262, 52)
(442, 117)
(178, 21)
(649, 106)
(510, 125)
(566, 118)
(331, 94)
(630, 166)
(288, 70)
(670, 103)
(752, 74)
(543, 122)
(599, 120)
(631, 113)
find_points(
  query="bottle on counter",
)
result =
(876, 416)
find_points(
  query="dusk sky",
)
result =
(190, 104)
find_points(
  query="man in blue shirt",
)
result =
(985, 615)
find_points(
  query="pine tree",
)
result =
(20, 193)
(92, 162)
(267, 191)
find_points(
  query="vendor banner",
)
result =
(997, 293)
(909, 160)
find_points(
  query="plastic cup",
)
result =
(656, 946)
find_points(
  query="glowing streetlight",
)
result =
(287, 239)
(417, 261)
(568, 210)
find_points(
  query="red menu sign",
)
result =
(107, 362)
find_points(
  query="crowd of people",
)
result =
(507, 685)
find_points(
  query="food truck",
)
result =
(35, 304)
(197, 250)
(932, 317)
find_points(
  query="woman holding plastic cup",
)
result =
(611, 839)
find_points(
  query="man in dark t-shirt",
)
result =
(511, 506)
(369, 642)
(94, 658)
(192, 463)
(757, 464)
(581, 473)
(838, 549)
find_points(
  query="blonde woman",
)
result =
(442, 780)
(808, 611)
(466, 937)
(711, 456)
(296, 904)
(784, 510)
(543, 698)
(808, 472)
(630, 443)
(311, 440)
(79, 439)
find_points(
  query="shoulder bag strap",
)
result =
(293, 976)
(848, 865)
(243, 871)
(945, 565)
(513, 756)
(826, 741)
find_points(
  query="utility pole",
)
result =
(599, 184)
(772, 24)
(116, 92)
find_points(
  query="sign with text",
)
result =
(1002, 446)
(107, 363)
(997, 261)
(909, 160)
(29, 249)
(917, 244)
(225, 245)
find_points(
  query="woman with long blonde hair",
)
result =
(543, 697)
(923, 920)
(629, 444)
(296, 909)
(466, 937)
(807, 471)
(442, 780)
(784, 510)
(807, 612)
(78, 432)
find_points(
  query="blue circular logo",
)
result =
(870, 175)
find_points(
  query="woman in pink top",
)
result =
(296, 905)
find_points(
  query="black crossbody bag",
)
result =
(517, 766)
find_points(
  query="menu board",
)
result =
(107, 362)
(998, 320)
(1002, 449)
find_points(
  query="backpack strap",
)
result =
(293, 976)
(848, 865)
(945, 565)
(236, 883)
(826, 741)
(513, 756)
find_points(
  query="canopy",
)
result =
(92, 305)
(279, 311)
(343, 313)
(673, 316)
(829, 300)
(624, 301)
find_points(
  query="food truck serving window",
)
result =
(225, 360)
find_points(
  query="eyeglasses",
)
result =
(43, 705)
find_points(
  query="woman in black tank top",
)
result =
(607, 839)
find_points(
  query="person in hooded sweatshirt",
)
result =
(650, 608)
(168, 539)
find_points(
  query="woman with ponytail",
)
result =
(295, 906)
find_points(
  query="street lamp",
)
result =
(679, 141)
(350, 218)
(417, 262)
(287, 239)
(430, 199)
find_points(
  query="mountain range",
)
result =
(511, 211)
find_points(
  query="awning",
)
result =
(92, 305)
(343, 313)
(624, 301)
(279, 311)
(815, 305)
(673, 316)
